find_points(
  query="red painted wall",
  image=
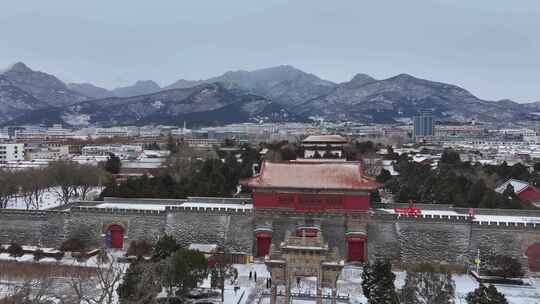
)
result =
(533, 255)
(305, 202)
(528, 195)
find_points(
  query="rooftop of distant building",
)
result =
(325, 138)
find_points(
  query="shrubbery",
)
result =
(60, 255)
(139, 249)
(502, 266)
(73, 244)
(15, 250)
(38, 254)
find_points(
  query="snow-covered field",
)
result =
(50, 199)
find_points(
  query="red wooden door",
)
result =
(263, 246)
(117, 236)
(533, 255)
(356, 251)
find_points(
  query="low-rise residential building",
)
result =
(122, 151)
(50, 152)
(57, 132)
(112, 132)
(11, 152)
(30, 135)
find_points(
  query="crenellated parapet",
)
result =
(210, 210)
(495, 222)
(117, 211)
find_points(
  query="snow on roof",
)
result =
(506, 219)
(139, 164)
(217, 205)
(162, 207)
(325, 138)
(478, 217)
(204, 248)
(312, 175)
(155, 153)
(156, 207)
(518, 185)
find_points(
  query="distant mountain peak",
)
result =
(147, 82)
(362, 78)
(45, 87)
(404, 76)
(90, 90)
(19, 67)
(140, 87)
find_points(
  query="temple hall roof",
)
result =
(312, 175)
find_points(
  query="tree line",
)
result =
(67, 180)
(189, 172)
(462, 184)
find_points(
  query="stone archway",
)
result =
(115, 236)
(533, 256)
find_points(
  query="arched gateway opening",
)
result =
(115, 236)
(533, 255)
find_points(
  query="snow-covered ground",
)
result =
(67, 260)
(349, 284)
(53, 287)
(50, 199)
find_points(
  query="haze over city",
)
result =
(492, 48)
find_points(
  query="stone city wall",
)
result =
(228, 227)
(400, 238)
(31, 227)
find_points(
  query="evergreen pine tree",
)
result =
(378, 283)
(165, 246)
(113, 164)
(384, 176)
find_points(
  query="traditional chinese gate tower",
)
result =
(303, 257)
(307, 189)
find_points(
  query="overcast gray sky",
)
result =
(490, 47)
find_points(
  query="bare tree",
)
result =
(178, 164)
(8, 188)
(31, 291)
(98, 287)
(88, 177)
(63, 175)
(32, 184)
